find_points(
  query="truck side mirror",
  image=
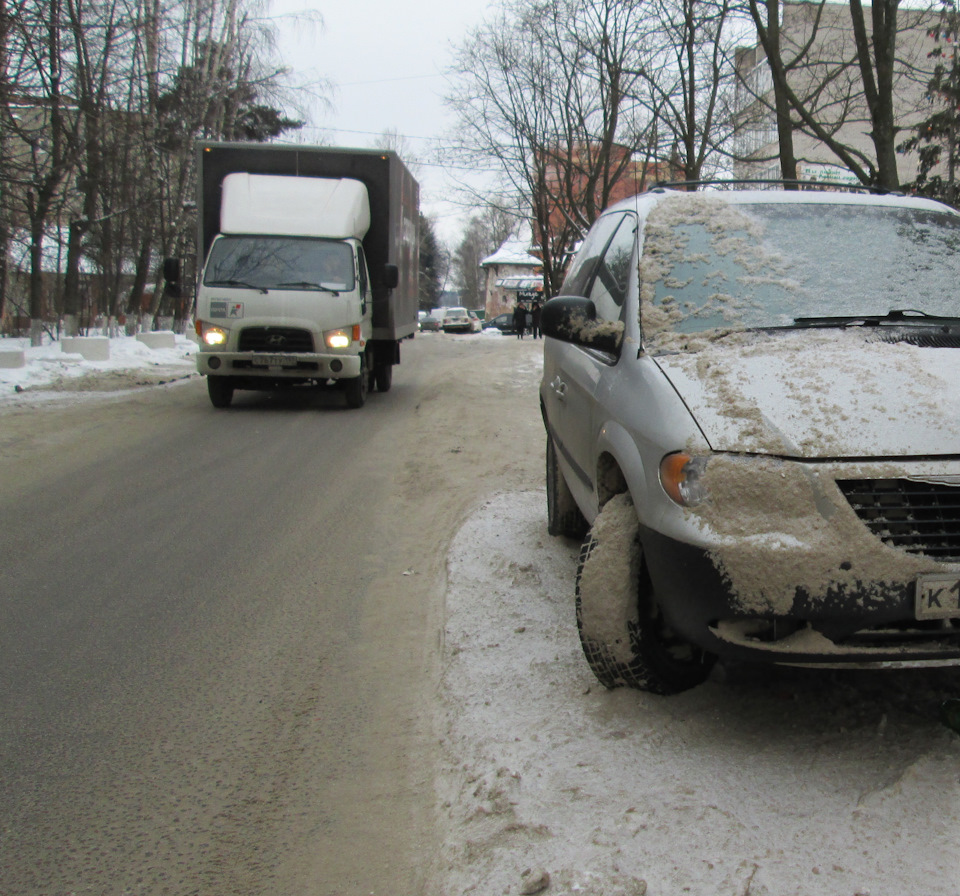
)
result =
(171, 277)
(171, 271)
(391, 276)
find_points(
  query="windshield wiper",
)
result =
(896, 316)
(243, 283)
(308, 284)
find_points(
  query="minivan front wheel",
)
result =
(624, 636)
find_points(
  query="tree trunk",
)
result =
(71, 286)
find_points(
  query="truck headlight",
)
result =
(681, 476)
(342, 338)
(210, 334)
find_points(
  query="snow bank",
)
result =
(762, 781)
(48, 367)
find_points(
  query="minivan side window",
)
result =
(610, 284)
(581, 272)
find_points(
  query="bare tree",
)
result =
(39, 120)
(838, 74)
(486, 231)
(687, 82)
(544, 97)
(100, 104)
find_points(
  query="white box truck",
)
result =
(310, 267)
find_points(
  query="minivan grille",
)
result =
(915, 516)
(275, 339)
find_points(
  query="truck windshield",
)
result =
(279, 262)
(710, 265)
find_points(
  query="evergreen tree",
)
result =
(433, 265)
(935, 137)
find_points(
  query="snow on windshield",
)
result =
(713, 265)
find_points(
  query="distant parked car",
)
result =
(476, 325)
(431, 323)
(456, 320)
(502, 322)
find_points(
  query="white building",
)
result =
(509, 273)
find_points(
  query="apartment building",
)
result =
(829, 77)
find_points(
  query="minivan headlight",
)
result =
(681, 476)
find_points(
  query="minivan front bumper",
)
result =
(873, 623)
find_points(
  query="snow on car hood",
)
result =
(817, 394)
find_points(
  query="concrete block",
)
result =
(158, 339)
(11, 358)
(93, 348)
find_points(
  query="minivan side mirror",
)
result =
(574, 319)
(391, 276)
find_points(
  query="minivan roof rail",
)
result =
(781, 183)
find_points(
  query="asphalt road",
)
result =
(222, 630)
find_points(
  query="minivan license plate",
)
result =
(938, 597)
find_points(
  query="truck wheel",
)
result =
(220, 390)
(624, 636)
(356, 387)
(563, 515)
(384, 377)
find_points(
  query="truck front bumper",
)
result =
(293, 366)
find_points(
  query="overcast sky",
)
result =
(386, 60)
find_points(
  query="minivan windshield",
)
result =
(278, 262)
(709, 264)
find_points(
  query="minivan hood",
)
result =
(821, 394)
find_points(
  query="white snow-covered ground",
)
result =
(762, 781)
(48, 369)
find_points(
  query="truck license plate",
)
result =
(274, 361)
(938, 597)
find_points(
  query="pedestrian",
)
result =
(535, 313)
(519, 319)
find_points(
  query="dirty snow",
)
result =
(814, 393)
(761, 781)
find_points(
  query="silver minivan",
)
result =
(752, 404)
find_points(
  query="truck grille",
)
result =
(919, 517)
(275, 339)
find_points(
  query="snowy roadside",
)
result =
(48, 370)
(761, 781)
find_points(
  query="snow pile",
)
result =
(762, 781)
(49, 368)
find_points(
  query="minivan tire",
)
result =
(625, 639)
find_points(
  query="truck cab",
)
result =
(283, 308)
